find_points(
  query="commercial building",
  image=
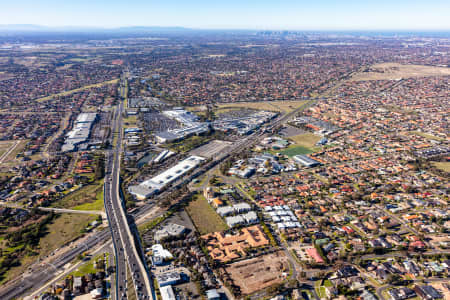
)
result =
(190, 126)
(167, 293)
(169, 278)
(244, 125)
(212, 294)
(80, 132)
(306, 161)
(160, 254)
(169, 230)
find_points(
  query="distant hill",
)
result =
(149, 28)
(130, 29)
(21, 27)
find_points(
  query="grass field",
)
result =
(204, 217)
(296, 150)
(307, 140)
(88, 267)
(392, 71)
(78, 90)
(64, 229)
(89, 197)
(278, 106)
(427, 136)
(78, 59)
(98, 204)
(444, 166)
(320, 290)
(143, 228)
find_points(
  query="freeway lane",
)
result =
(43, 273)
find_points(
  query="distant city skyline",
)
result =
(233, 14)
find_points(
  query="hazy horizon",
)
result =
(87, 27)
(325, 15)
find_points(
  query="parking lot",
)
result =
(155, 122)
(211, 149)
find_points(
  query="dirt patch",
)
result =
(254, 274)
(393, 71)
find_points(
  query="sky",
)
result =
(233, 14)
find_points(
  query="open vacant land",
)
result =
(62, 230)
(393, 71)
(257, 273)
(97, 205)
(278, 106)
(88, 267)
(204, 217)
(5, 146)
(89, 197)
(444, 166)
(130, 121)
(307, 140)
(10, 149)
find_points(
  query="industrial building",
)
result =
(155, 184)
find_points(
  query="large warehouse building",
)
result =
(155, 184)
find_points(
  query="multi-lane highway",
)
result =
(120, 288)
(43, 273)
(126, 249)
